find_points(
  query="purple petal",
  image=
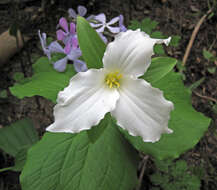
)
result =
(113, 21)
(90, 17)
(55, 47)
(42, 40)
(82, 10)
(67, 48)
(74, 54)
(103, 38)
(123, 28)
(101, 18)
(121, 20)
(64, 24)
(60, 35)
(72, 13)
(74, 42)
(101, 29)
(60, 65)
(80, 66)
(121, 24)
(72, 28)
(95, 25)
(113, 29)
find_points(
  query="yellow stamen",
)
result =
(113, 79)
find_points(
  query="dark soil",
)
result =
(175, 18)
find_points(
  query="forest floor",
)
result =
(175, 17)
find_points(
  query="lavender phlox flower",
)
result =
(121, 24)
(101, 18)
(68, 31)
(45, 47)
(82, 11)
(71, 52)
(104, 39)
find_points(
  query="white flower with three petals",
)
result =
(138, 107)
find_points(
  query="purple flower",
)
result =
(103, 24)
(104, 39)
(67, 33)
(121, 24)
(82, 11)
(45, 47)
(72, 53)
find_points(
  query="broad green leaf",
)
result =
(96, 131)
(90, 43)
(63, 161)
(18, 135)
(160, 66)
(45, 82)
(187, 124)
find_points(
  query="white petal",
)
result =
(83, 103)
(142, 110)
(130, 52)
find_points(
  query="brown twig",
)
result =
(205, 97)
(145, 159)
(193, 36)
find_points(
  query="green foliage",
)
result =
(175, 40)
(91, 44)
(173, 176)
(16, 140)
(45, 82)
(208, 55)
(160, 66)
(187, 124)
(148, 26)
(62, 161)
(18, 76)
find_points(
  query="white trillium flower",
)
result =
(138, 107)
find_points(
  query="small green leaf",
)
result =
(63, 161)
(196, 84)
(91, 44)
(160, 66)
(157, 34)
(208, 55)
(17, 136)
(18, 76)
(211, 70)
(159, 50)
(175, 41)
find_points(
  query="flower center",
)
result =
(113, 79)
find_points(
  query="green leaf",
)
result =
(18, 76)
(63, 161)
(90, 43)
(158, 49)
(146, 25)
(160, 66)
(187, 124)
(95, 132)
(208, 55)
(17, 136)
(175, 41)
(45, 82)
